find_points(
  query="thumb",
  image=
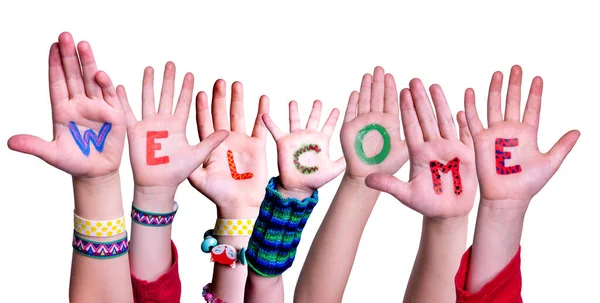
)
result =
(561, 149)
(203, 149)
(35, 146)
(389, 184)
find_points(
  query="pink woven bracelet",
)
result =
(209, 297)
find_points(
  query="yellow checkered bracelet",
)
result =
(99, 229)
(234, 227)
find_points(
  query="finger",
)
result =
(35, 146)
(562, 148)
(473, 121)
(494, 114)
(531, 115)
(108, 90)
(351, 107)
(56, 76)
(331, 121)
(424, 111)
(339, 166)
(88, 64)
(390, 104)
(513, 96)
(182, 110)
(70, 63)
(272, 127)
(315, 116)
(442, 111)
(203, 123)
(167, 93)
(129, 115)
(203, 149)
(364, 98)
(148, 107)
(219, 106)
(410, 122)
(463, 129)
(238, 123)
(294, 116)
(377, 90)
(260, 130)
(389, 184)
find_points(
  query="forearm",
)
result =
(228, 283)
(99, 280)
(270, 289)
(332, 253)
(150, 247)
(497, 239)
(442, 244)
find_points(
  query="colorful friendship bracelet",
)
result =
(95, 228)
(233, 227)
(277, 232)
(222, 253)
(153, 219)
(208, 296)
(100, 250)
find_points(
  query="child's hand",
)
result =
(88, 122)
(370, 134)
(443, 181)
(519, 170)
(303, 154)
(160, 154)
(234, 176)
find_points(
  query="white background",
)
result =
(304, 52)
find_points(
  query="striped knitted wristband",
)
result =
(277, 231)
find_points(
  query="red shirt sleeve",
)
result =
(504, 288)
(166, 289)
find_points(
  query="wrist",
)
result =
(503, 211)
(98, 198)
(154, 198)
(447, 223)
(298, 193)
(249, 212)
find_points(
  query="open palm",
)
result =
(526, 170)
(235, 174)
(158, 147)
(370, 116)
(88, 122)
(303, 154)
(440, 186)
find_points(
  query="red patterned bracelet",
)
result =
(208, 296)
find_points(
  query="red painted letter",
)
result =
(234, 174)
(151, 147)
(501, 155)
(451, 166)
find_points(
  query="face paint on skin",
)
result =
(306, 169)
(152, 147)
(90, 136)
(385, 150)
(451, 166)
(234, 173)
(502, 155)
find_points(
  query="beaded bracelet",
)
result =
(222, 253)
(153, 219)
(100, 250)
(208, 296)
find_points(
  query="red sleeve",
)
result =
(166, 289)
(504, 288)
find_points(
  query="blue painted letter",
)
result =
(90, 136)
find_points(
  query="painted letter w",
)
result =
(90, 136)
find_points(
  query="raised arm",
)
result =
(89, 133)
(304, 166)
(507, 185)
(442, 187)
(371, 143)
(233, 177)
(161, 158)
